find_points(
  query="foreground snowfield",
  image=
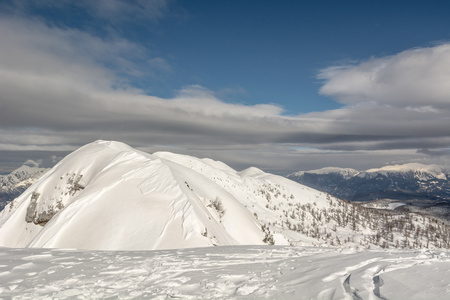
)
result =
(228, 272)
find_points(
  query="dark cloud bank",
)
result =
(58, 91)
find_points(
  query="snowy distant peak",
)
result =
(22, 176)
(14, 183)
(421, 170)
(32, 163)
(345, 172)
(29, 167)
(400, 182)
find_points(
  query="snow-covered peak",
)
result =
(107, 195)
(28, 167)
(24, 169)
(31, 163)
(421, 171)
(252, 172)
(22, 176)
(194, 162)
(404, 168)
(345, 172)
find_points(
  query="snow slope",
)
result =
(233, 272)
(109, 196)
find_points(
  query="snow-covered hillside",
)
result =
(107, 195)
(16, 182)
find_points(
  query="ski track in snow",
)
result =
(231, 272)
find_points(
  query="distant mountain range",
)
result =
(107, 195)
(394, 182)
(417, 185)
(16, 182)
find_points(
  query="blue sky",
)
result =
(281, 46)
(276, 84)
(261, 51)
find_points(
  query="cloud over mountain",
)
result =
(61, 88)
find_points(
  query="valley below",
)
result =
(432, 208)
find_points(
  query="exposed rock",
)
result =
(31, 210)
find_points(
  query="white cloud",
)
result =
(415, 78)
(58, 91)
(115, 10)
(198, 99)
(32, 49)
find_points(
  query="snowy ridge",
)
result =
(344, 172)
(400, 182)
(107, 195)
(119, 198)
(420, 171)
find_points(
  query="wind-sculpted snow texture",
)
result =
(109, 196)
(233, 272)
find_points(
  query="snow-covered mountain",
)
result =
(408, 181)
(16, 182)
(107, 195)
(345, 173)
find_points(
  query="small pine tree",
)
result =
(218, 206)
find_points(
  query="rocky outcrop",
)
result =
(41, 210)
